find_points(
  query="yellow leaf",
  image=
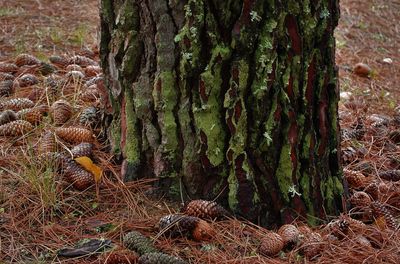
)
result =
(88, 165)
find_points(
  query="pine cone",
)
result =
(74, 67)
(6, 76)
(90, 94)
(16, 104)
(348, 134)
(160, 258)
(7, 116)
(75, 135)
(137, 242)
(379, 210)
(15, 128)
(75, 75)
(90, 117)
(120, 257)
(181, 225)
(355, 225)
(27, 80)
(92, 71)
(360, 199)
(349, 155)
(83, 149)
(47, 143)
(343, 224)
(61, 111)
(365, 167)
(8, 67)
(355, 179)
(390, 175)
(289, 233)
(373, 190)
(313, 245)
(82, 61)
(98, 80)
(26, 59)
(59, 61)
(37, 94)
(32, 115)
(76, 175)
(6, 88)
(45, 68)
(271, 244)
(304, 230)
(204, 209)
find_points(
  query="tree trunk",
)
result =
(228, 99)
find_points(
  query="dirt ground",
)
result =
(32, 230)
(45, 27)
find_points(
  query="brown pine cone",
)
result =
(204, 209)
(59, 61)
(360, 199)
(271, 244)
(26, 59)
(6, 76)
(355, 179)
(45, 68)
(289, 233)
(304, 230)
(15, 128)
(379, 210)
(373, 190)
(123, 256)
(92, 71)
(355, 225)
(32, 115)
(98, 80)
(7, 116)
(6, 88)
(75, 135)
(8, 67)
(390, 175)
(349, 155)
(74, 67)
(27, 80)
(182, 225)
(83, 149)
(16, 104)
(82, 61)
(75, 75)
(47, 143)
(160, 258)
(90, 94)
(76, 175)
(61, 111)
(313, 245)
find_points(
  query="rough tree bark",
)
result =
(230, 98)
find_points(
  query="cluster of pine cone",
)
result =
(370, 153)
(192, 223)
(57, 105)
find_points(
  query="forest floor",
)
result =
(39, 214)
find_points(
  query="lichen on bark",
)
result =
(235, 99)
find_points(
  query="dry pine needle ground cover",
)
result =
(60, 188)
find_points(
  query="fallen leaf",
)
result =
(88, 165)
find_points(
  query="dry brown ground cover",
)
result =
(41, 213)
